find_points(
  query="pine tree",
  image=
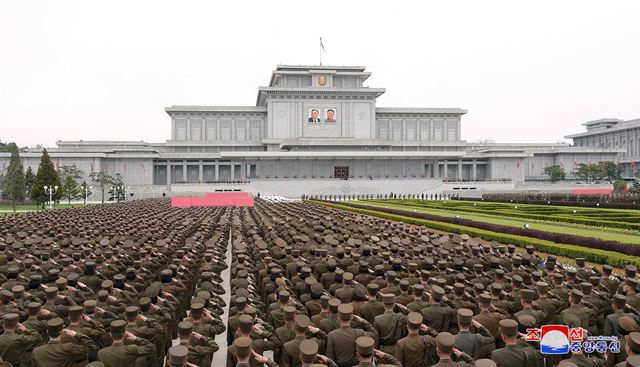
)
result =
(13, 182)
(46, 176)
(29, 177)
(70, 189)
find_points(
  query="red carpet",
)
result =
(593, 191)
(213, 199)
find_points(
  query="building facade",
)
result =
(614, 134)
(316, 124)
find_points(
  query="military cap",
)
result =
(632, 282)
(245, 323)
(324, 301)
(166, 273)
(197, 308)
(345, 311)
(132, 311)
(95, 364)
(526, 321)
(445, 342)
(388, 299)
(437, 292)
(251, 311)
(478, 287)
(242, 347)
(308, 351)
(144, 301)
(558, 276)
(630, 271)
(240, 302)
(51, 292)
(484, 298)
(577, 295)
(465, 316)
(418, 290)
(567, 363)
(484, 362)
(185, 327)
(359, 292)
(75, 311)
(619, 300)
(633, 361)
(372, 288)
(283, 296)
(302, 322)
(11, 318)
(178, 355)
(517, 279)
(526, 295)
(542, 286)
(334, 303)
(509, 327)
(55, 326)
(17, 290)
(633, 341)
(580, 261)
(586, 287)
(90, 306)
(34, 307)
(289, 312)
(106, 284)
(414, 319)
(364, 345)
(628, 324)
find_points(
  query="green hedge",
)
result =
(572, 251)
(550, 217)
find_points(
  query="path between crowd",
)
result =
(220, 357)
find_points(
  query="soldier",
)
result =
(309, 356)
(367, 355)
(61, 353)
(577, 309)
(246, 357)
(445, 342)
(201, 348)
(324, 310)
(390, 326)
(178, 357)
(262, 340)
(439, 316)
(17, 341)
(526, 300)
(414, 348)
(372, 307)
(291, 349)
(512, 355)
(341, 342)
(472, 344)
(126, 350)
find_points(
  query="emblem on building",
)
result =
(322, 80)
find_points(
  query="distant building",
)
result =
(613, 134)
(311, 126)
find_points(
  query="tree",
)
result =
(593, 171)
(582, 171)
(46, 176)
(611, 170)
(85, 191)
(29, 178)
(117, 190)
(555, 173)
(103, 180)
(13, 182)
(70, 188)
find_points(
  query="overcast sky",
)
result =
(526, 71)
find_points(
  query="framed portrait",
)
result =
(314, 116)
(330, 115)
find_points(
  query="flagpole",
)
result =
(320, 49)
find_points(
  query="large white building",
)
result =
(317, 129)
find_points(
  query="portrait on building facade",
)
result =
(330, 115)
(314, 115)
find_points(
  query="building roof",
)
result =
(604, 126)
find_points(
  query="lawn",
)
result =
(506, 214)
(8, 209)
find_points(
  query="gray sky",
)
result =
(526, 71)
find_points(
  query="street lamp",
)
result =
(86, 193)
(50, 190)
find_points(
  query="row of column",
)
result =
(474, 170)
(216, 166)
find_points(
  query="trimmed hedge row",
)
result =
(571, 251)
(525, 215)
(558, 203)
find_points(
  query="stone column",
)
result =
(169, 173)
(445, 172)
(200, 172)
(459, 169)
(184, 171)
(233, 168)
(248, 171)
(217, 171)
(474, 171)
